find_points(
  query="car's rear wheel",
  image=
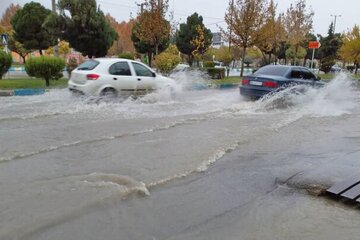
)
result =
(109, 93)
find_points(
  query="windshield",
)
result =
(272, 70)
(88, 65)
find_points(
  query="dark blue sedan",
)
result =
(272, 78)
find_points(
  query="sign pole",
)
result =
(312, 59)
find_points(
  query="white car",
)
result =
(116, 76)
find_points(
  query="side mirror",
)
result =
(153, 74)
(318, 78)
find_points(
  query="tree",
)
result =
(27, 24)
(5, 62)
(350, 50)
(146, 48)
(63, 48)
(224, 55)
(328, 52)
(152, 27)
(245, 19)
(193, 38)
(298, 23)
(18, 48)
(123, 44)
(45, 67)
(8, 14)
(272, 34)
(85, 27)
(168, 60)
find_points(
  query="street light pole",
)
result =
(56, 47)
(231, 21)
(335, 16)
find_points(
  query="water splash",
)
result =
(191, 79)
(336, 98)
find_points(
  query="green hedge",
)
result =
(127, 56)
(45, 67)
(209, 64)
(216, 73)
(5, 62)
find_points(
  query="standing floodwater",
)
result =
(204, 164)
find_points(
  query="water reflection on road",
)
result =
(203, 165)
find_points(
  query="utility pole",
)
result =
(335, 16)
(53, 5)
(231, 21)
(141, 5)
(56, 47)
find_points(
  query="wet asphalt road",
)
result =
(205, 165)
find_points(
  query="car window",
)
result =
(307, 74)
(296, 73)
(120, 68)
(272, 70)
(142, 71)
(88, 65)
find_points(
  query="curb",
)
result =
(228, 85)
(21, 92)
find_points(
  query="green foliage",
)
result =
(5, 62)
(71, 65)
(17, 47)
(330, 45)
(224, 55)
(45, 67)
(209, 64)
(145, 48)
(86, 29)
(167, 61)
(326, 64)
(28, 27)
(127, 56)
(187, 35)
(295, 54)
(216, 73)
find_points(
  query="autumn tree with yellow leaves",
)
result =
(350, 50)
(245, 20)
(298, 23)
(151, 28)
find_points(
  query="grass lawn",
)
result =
(27, 83)
(228, 80)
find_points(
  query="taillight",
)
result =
(92, 76)
(245, 81)
(270, 84)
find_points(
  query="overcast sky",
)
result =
(213, 11)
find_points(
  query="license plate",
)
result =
(256, 83)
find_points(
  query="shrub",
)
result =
(71, 65)
(209, 64)
(45, 67)
(216, 73)
(5, 63)
(350, 68)
(326, 64)
(166, 62)
(127, 56)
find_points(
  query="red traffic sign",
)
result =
(314, 44)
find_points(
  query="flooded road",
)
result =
(203, 165)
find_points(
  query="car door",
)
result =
(308, 76)
(145, 78)
(121, 78)
(297, 76)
